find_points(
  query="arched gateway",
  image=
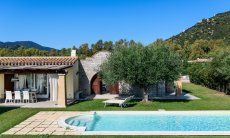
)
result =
(98, 87)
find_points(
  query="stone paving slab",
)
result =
(44, 123)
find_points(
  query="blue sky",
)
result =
(64, 23)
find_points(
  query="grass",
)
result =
(210, 100)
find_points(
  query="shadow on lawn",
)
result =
(170, 101)
(186, 91)
(162, 100)
(6, 109)
(80, 101)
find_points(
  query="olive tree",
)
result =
(141, 66)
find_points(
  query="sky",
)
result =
(64, 23)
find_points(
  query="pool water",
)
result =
(157, 121)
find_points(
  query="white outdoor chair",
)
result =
(26, 96)
(121, 103)
(9, 97)
(17, 96)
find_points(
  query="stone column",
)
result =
(61, 90)
(2, 89)
(179, 88)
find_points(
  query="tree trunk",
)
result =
(146, 96)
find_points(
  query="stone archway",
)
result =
(88, 68)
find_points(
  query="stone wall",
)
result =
(90, 67)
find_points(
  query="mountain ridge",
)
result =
(26, 44)
(213, 28)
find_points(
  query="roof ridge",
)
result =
(22, 61)
(42, 57)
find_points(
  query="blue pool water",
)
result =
(153, 122)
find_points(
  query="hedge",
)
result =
(215, 74)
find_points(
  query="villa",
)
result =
(52, 78)
(61, 79)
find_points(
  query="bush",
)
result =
(215, 74)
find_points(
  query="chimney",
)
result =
(73, 53)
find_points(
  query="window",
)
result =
(37, 82)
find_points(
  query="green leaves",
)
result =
(141, 66)
(215, 74)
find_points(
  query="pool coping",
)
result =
(164, 111)
(46, 123)
(158, 132)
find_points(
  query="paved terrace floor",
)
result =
(44, 123)
(39, 104)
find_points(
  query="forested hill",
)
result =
(25, 44)
(216, 27)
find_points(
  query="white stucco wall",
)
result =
(72, 81)
(1, 85)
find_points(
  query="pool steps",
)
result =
(77, 125)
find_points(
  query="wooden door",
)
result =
(8, 84)
(96, 86)
(114, 89)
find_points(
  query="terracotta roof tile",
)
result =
(22, 61)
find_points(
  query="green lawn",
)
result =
(210, 100)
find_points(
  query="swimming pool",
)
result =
(153, 121)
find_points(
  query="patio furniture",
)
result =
(121, 103)
(33, 96)
(9, 97)
(26, 96)
(17, 96)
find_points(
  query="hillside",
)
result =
(26, 44)
(217, 27)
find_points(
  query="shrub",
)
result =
(215, 74)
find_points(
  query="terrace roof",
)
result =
(52, 64)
